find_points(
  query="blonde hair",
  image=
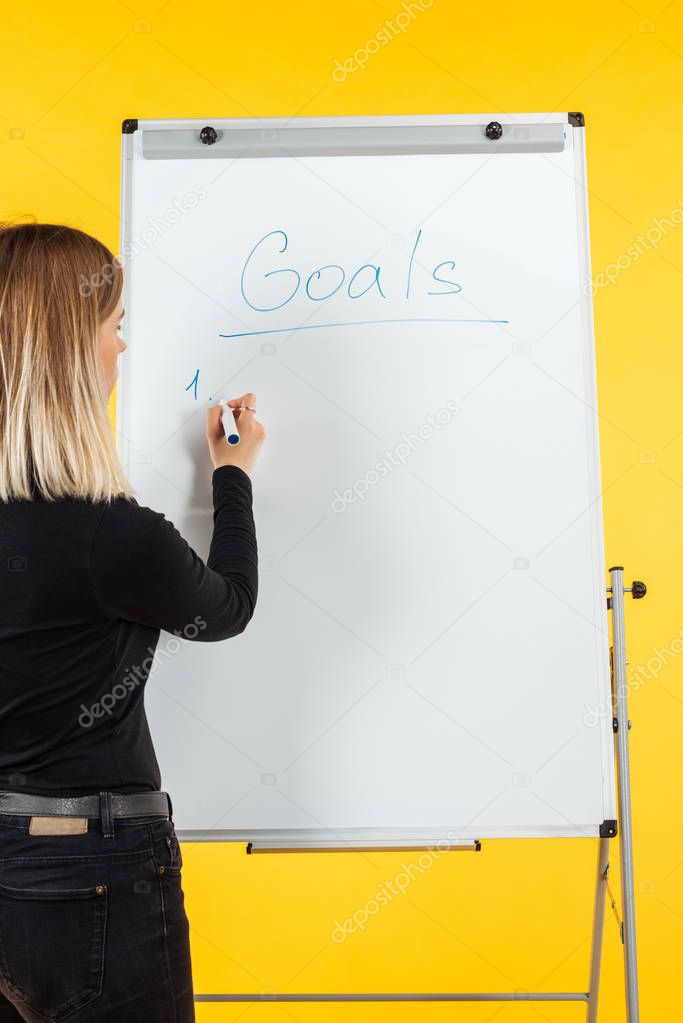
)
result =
(57, 285)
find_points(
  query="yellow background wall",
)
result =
(517, 915)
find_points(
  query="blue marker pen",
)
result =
(232, 434)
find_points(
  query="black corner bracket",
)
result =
(129, 126)
(577, 119)
(608, 829)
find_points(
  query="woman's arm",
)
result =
(142, 569)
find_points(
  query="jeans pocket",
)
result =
(52, 944)
(166, 847)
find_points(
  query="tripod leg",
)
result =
(598, 927)
(624, 779)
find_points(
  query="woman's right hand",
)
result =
(252, 435)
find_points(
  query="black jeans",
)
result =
(93, 928)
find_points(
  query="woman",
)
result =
(92, 918)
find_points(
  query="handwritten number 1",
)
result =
(193, 383)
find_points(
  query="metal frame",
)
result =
(627, 928)
(425, 134)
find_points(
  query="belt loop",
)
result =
(170, 807)
(106, 815)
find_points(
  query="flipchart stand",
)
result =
(627, 926)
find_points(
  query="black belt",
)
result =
(123, 804)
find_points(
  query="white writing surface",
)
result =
(429, 651)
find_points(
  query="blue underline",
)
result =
(355, 323)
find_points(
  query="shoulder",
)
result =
(125, 526)
(125, 513)
(135, 548)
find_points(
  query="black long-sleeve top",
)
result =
(85, 588)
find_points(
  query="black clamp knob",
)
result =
(638, 589)
(494, 130)
(208, 135)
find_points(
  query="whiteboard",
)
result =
(408, 298)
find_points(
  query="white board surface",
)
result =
(429, 653)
